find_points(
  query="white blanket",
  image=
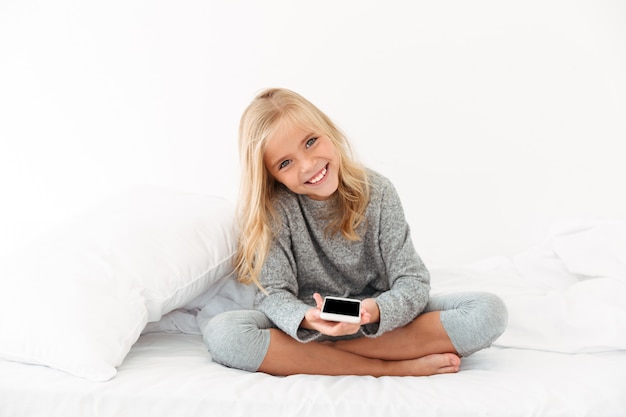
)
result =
(566, 294)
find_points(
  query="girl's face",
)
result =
(305, 162)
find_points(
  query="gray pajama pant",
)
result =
(473, 321)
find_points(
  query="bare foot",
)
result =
(436, 363)
(432, 364)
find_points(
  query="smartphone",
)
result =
(341, 309)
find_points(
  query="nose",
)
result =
(307, 164)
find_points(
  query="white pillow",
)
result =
(78, 298)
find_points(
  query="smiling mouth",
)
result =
(319, 176)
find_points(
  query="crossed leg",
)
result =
(419, 349)
(423, 336)
(249, 340)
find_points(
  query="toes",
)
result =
(451, 364)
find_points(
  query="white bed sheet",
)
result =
(170, 374)
(563, 353)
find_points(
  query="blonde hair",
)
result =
(255, 210)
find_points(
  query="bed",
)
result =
(102, 317)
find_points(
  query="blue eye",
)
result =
(284, 164)
(310, 142)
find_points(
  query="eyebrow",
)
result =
(276, 163)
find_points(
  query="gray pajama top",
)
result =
(303, 260)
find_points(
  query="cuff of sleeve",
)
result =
(371, 329)
(300, 334)
(383, 325)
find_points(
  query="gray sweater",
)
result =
(303, 260)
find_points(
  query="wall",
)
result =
(492, 118)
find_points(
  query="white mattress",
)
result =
(172, 375)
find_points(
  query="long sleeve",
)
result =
(408, 278)
(278, 278)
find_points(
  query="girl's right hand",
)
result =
(313, 321)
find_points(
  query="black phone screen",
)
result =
(348, 308)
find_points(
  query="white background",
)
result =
(493, 118)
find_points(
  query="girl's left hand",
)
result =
(313, 321)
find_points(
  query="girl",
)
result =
(315, 222)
